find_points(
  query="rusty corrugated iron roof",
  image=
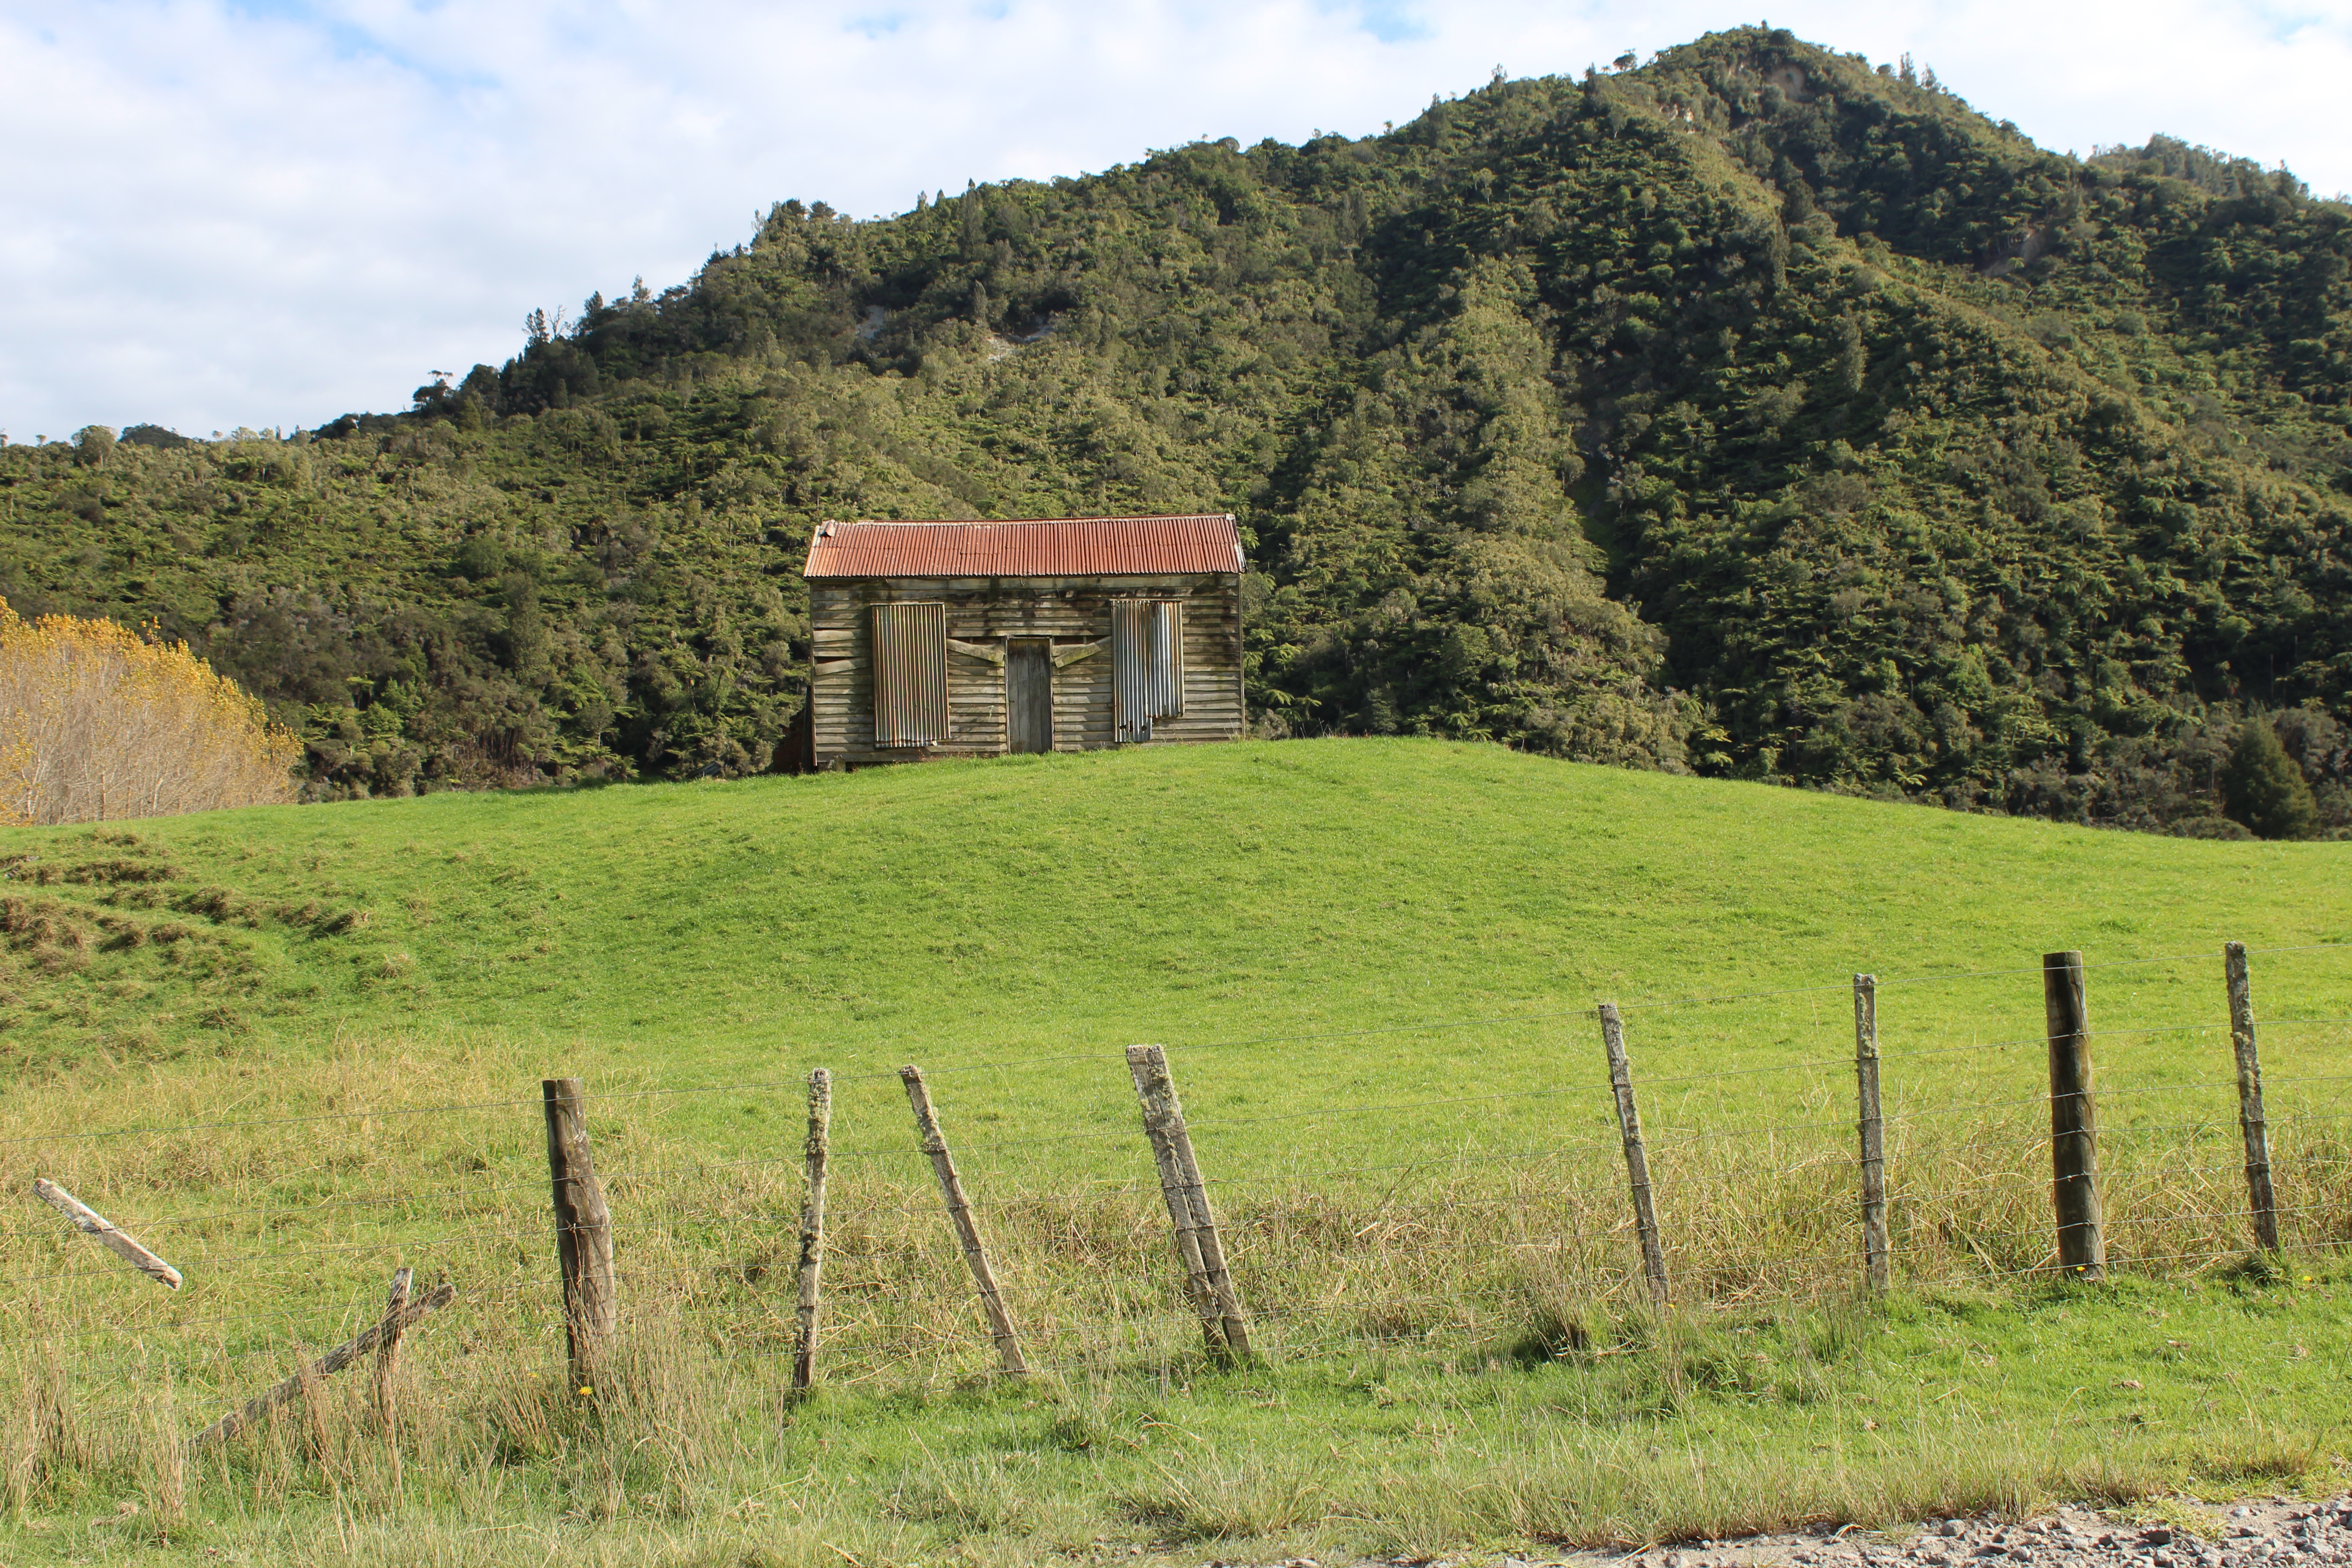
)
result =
(1032, 547)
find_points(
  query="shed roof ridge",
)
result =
(1016, 521)
(1185, 542)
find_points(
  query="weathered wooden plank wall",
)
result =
(983, 611)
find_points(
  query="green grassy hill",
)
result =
(296, 1047)
(1314, 924)
(1186, 896)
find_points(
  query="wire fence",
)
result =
(1444, 1183)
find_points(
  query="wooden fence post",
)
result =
(812, 1265)
(2074, 1120)
(309, 1376)
(1223, 1328)
(2252, 1123)
(583, 1229)
(387, 1365)
(103, 1231)
(1180, 1210)
(1872, 1126)
(967, 1227)
(1637, 1159)
(387, 1346)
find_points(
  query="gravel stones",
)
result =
(2269, 1533)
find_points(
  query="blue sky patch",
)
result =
(1390, 21)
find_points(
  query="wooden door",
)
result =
(1029, 695)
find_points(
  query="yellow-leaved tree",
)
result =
(98, 722)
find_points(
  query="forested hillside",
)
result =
(1755, 412)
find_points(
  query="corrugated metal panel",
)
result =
(1064, 547)
(1147, 660)
(910, 674)
(1164, 620)
(1130, 717)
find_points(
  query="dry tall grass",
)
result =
(98, 722)
(288, 1229)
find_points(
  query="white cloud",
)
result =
(271, 213)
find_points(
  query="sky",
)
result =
(272, 211)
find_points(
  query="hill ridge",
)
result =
(1187, 894)
(1711, 416)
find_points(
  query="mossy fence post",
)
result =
(2073, 1119)
(583, 1229)
(1871, 1125)
(1637, 1159)
(967, 1228)
(817, 1153)
(1223, 1327)
(2261, 1201)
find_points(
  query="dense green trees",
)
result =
(2263, 790)
(1752, 412)
(93, 444)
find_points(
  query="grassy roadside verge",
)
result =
(1587, 1428)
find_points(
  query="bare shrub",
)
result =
(99, 722)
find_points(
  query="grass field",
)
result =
(1374, 965)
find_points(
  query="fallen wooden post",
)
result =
(93, 1224)
(327, 1366)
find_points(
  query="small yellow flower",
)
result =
(588, 1388)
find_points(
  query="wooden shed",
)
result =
(1052, 635)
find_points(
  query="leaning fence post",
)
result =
(812, 1265)
(1873, 1125)
(583, 1228)
(307, 1376)
(106, 1233)
(967, 1228)
(2073, 1119)
(1180, 1210)
(1222, 1326)
(2252, 1123)
(1637, 1159)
